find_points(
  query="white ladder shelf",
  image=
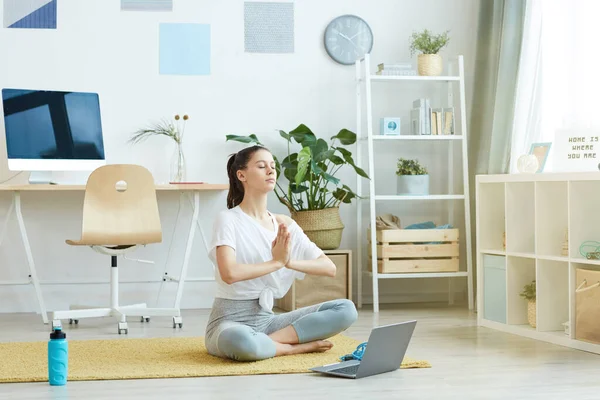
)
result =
(366, 78)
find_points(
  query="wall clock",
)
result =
(348, 38)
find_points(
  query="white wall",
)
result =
(101, 49)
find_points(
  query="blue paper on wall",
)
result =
(146, 5)
(31, 14)
(184, 49)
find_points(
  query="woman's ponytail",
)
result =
(236, 190)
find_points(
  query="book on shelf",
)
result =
(419, 116)
(448, 124)
(401, 69)
(442, 121)
(425, 120)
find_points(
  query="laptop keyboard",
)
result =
(351, 370)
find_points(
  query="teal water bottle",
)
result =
(58, 358)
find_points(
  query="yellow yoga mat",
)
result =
(156, 358)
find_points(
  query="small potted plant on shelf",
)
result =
(413, 178)
(529, 293)
(314, 193)
(429, 62)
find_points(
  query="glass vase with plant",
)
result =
(429, 62)
(173, 130)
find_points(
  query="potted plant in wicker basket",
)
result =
(529, 293)
(413, 178)
(429, 62)
(314, 193)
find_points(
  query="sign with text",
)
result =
(577, 150)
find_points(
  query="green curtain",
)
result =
(500, 34)
(499, 37)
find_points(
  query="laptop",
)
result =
(384, 352)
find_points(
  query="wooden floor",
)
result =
(469, 362)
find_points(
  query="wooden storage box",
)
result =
(416, 250)
(317, 289)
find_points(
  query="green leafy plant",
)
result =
(529, 291)
(410, 167)
(311, 171)
(164, 127)
(428, 43)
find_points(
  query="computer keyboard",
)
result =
(351, 370)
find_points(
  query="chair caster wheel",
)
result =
(123, 328)
(71, 321)
(146, 319)
(177, 321)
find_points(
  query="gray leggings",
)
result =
(239, 329)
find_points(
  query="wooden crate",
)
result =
(317, 289)
(412, 250)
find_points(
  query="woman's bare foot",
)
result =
(318, 346)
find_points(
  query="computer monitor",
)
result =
(52, 131)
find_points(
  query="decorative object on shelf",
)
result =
(540, 151)
(567, 327)
(575, 149)
(348, 38)
(528, 164)
(529, 293)
(590, 250)
(311, 173)
(173, 130)
(389, 126)
(413, 179)
(387, 221)
(565, 246)
(429, 63)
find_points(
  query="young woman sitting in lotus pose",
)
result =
(259, 255)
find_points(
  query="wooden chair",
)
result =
(120, 213)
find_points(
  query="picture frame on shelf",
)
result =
(389, 126)
(541, 151)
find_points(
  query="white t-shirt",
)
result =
(252, 243)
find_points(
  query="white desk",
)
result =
(184, 189)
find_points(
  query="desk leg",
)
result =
(6, 219)
(32, 272)
(203, 239)
(188, 249)
(165, 276)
